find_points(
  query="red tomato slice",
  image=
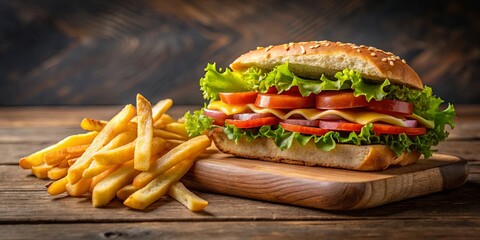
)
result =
(284, 101)
(253, 123)
(250, 116)
(238, 97)
(379, 129)
(217, 116)
(292, 91)
(302, 122)
(341, 126)
(388, 106)
(303, 129)
(339, 100)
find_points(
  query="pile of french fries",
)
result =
(138, 156)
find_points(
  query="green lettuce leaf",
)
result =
(428, 106)
(196, 123)
(284, 139)
(215, 81)
(283, 79)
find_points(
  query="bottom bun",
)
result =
(346, 156)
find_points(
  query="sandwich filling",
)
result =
(344, 108)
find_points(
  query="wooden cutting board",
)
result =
(324, 188)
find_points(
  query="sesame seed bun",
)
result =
(312, 59)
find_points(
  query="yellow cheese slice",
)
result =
(356, 116)
(422, 121)
(228, 109)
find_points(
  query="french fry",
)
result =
(41, 171)
(179, 192)
(167, 135)
(90, 124)
(79, 188)
(120, 140)
(177, 128)
(172, 143)
(154, 190)
(36, 158)
(58, 187)
(94, 169)
(163, 121)
(106, 189)
(143, 147)
(101, 176)
(186, 151)
(116, 125)
(126, 152)
(57, 173)
(160, 108)
(55, 157)
(64, 163)
(109, 160)
(71, 161)
(124, 192)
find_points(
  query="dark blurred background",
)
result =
(58, 52)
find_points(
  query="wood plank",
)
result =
(324, 188)
(469, 150)
(378, 229)
(37, 135)
(18, 187)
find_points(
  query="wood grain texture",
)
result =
(376, 229)
(105, 52)
(324, 188)
(19, 189)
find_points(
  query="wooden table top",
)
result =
(28, 212)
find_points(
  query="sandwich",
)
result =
(321, 103)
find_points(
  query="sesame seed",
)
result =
(327, 44)
(268, 48)
(373, 54)
(314, 46)
(355, 47)
(370, 48)
(303, 50)
(258, 48)
(286, 46)
(362, 46)
(358, 50)
(391, 63)
(290, 44)
(403, 61)
(384, 59)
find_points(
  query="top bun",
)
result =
(312, 59)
